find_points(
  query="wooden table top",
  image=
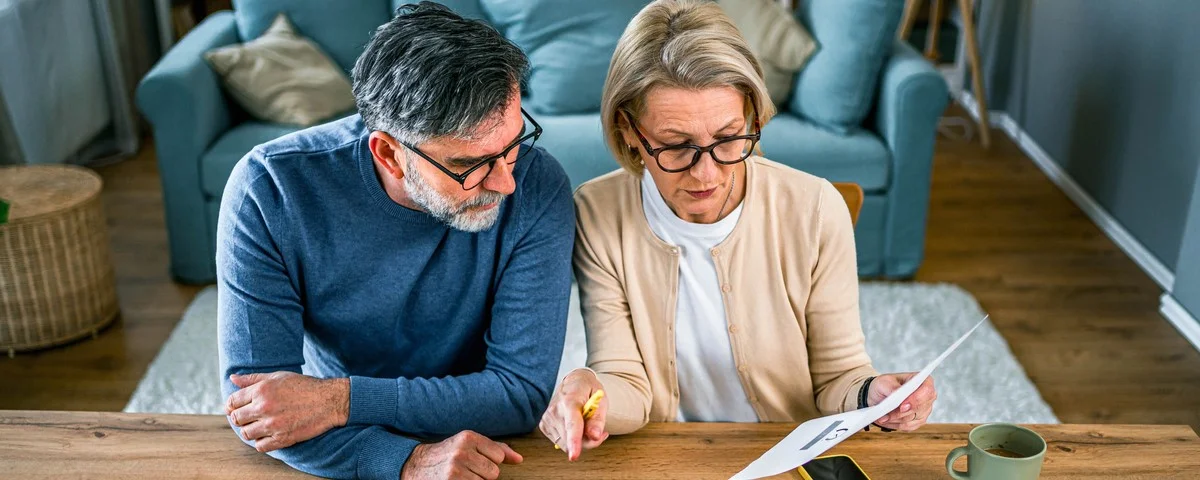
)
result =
(45, 444)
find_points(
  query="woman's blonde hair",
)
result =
(688, 44)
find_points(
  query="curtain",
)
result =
(70, 69)
(9, 153)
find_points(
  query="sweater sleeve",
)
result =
(837, 354)
(524, 341)
(612, 348)
(260, 329)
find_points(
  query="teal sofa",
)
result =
(199, 133)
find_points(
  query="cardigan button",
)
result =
(726, 288)
(733, 329)
(716, 251)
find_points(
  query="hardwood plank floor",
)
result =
(1079, 315)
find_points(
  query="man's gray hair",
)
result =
(431, 73)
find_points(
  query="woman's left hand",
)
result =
(913, 411)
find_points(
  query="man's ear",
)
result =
(387, 152)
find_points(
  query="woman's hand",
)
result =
(563, 422)
(913, 411)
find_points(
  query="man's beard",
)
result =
(462, 217)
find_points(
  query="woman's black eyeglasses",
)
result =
(684, 156)
(479, 169)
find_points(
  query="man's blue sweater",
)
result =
(439, 330)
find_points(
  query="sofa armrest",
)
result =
(181, 98)
(910, 89)
(912, 97)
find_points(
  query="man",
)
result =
(413, 259)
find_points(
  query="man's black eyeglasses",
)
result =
(682, 157)
(478, 169)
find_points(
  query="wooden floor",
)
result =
(1079, 315)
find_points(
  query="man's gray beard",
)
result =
(456, 216)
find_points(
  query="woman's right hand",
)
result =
(563, 422)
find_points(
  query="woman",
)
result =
(715, 285)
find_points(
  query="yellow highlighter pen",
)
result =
(589, 408)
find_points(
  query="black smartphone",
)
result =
(833, 467)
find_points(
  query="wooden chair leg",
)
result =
(911, 7)
(931, 39)
(985, 125)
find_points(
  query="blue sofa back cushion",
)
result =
(569, 43)
(340, 30)
(837, 87)
(467, 8)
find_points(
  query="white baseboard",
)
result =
(967, 101)
(1107, 223)
(1181, 319)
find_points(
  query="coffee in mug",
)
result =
(1004, 453)
(999, 451)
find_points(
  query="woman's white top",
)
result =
(709, 387)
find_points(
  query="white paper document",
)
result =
(815, 436)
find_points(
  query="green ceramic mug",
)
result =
(999, 451)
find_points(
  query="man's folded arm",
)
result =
(355, 451)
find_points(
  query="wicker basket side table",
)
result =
(56, 276)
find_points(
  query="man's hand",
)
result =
(467, 455)
(913, 411)
(280, 409)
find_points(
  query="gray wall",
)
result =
(1110, 89)
(1187, 271)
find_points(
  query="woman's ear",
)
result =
(387, 152)
(630, 139)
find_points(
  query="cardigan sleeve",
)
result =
(837, 354)
(612, 347)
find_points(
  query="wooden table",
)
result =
(118, 445)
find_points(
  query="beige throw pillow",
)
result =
(781, 44)
(282, 77)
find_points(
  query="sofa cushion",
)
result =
(577, 141)
(217, 163)
(777, 40)
(281, 77)
(837, 87)
(467, 8)
(858, 156)
(569, 43)
(341, 31)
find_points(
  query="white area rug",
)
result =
(906, 324)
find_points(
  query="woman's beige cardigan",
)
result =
(789, 284)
